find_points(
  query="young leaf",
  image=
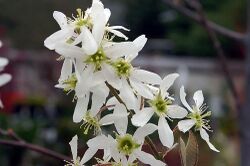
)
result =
(183, 152)
(192, 150)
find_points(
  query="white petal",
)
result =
(116, 50)
(118, 33)
(141, 89)
(144, 131)
(60, 18)
(89, 44)
(97, 101)
(99, 21)
(111, 77)
(198, 98)
(146, 76)
(118, 27)
(107, 13)
(80, 109)
(185, 125)
(121, 123)
(127, 95)
(176, 112)
(73, 146)
(183, 99)
(142, 117)
(167, 82)
(112, 101)
(57, 37)
(98, 142)
(139, 43)
(165, 133)
(90, 152)
(3, 62)
(148, 159)
(4, 79)
(205, 136)
(69, 51)
(66, 70)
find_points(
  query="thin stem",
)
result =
(217, 46)
(197, 18)
(35, 148)
(18, 142)
(153, 148)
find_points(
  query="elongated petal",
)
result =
(89, 44)
(57, 37)
(139, 43)
(148, 159)
(4, 79)
(99, 142)
(183, 99)
(111, 77)
(73, 146)
(144, 131)
(165, 133)
(176, 112)
(60, 18)
(97, 101)
(99, 21)
(90, 152)
(3, 62)
(66, 69)
(127, 95)
(198, 98)
(118, 27)
(205, 136)
(121, 123)
(117, 50)
(185, 125)
(167, 82)
(107, 13)
(80, 109)
(146, 76)
(69, 51)
(141, 89)
(118, 33)
(142, 117)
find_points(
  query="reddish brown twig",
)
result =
(197, 18)
(18, 142)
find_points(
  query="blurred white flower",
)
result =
(196, 116)
(1, 43)
(125, 148)
(4, 78)
(161, 105)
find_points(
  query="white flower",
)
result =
(77, 161)
(196, 116)
(121, 71)
(125, 148)
(161, 105)
(1, 43)
(4, 78)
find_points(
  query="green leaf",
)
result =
(192, 150)
(183, 152)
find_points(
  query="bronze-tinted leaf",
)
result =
(182, 152)
(192, 150)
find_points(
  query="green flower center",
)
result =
(90, 122)
(70, 83)
(97, 59)
(160, 105)
(122, 68)
(126, 144)
(80, 21)
(199, 118)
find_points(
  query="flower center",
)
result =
(160, 105)
(126, 144)
(199, 118)
(70, 83)
(122, 68)
(97, 59)
(80, 21)
(90, 122)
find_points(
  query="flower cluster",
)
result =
(98, 70)
(4, 78)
